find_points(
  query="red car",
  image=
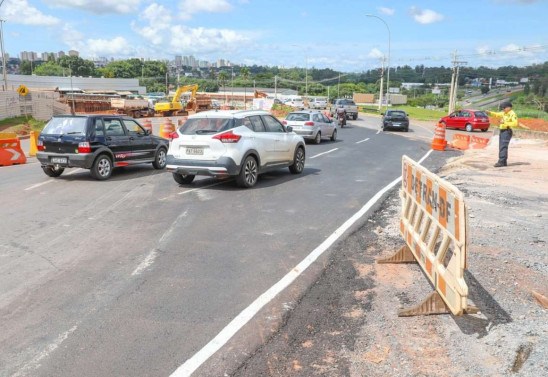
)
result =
(469, 120)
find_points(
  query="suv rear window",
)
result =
(66, 126)
(206, 126)
(298, 117)
(396, 113)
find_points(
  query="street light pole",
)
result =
(3, 54)
(388, 63)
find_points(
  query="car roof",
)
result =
(305, 112)
(227, 114)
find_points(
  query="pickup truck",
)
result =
(349, 106)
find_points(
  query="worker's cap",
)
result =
(504, 105)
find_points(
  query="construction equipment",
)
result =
(258, 94)
(175, 107)
(134, 107)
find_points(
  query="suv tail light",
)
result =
(40, 145)
(309, 123)
(227, 137)
(84, 147)
(173, 135)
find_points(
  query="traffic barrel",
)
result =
(10, 150)
(439, 143)
(147, 125)
(167, 128)
(182, 121)
(33, 143)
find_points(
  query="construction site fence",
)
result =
(39, 105)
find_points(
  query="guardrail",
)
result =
(433, 223)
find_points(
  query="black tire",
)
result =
(183, 179)
(52, 171)
(102, 168)
(249, 173)
(355, 116)
(484, 129)
(406, 129)
(334, 135)
(318, 138)
(298, 161)
(160, 160)
(469, 128)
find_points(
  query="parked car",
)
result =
(296, 102)
(467, 119)
(237, 143)
(312, 125)
(396, 119)
(99, 143)
(318, 103)
(348, 105)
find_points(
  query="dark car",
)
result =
(396, 119)
(469, 120)
(99, 143)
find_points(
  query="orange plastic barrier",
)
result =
(33, 143)
(147, 125)
(166, 128)
(433, 224)
(10, 150)
(439, 143)
(460, 141)
(477, 142)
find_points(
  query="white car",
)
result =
(296, 102)
(237, 143)
(312, 125)
(318, 103)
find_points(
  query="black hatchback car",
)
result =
(396, 119)
(99, 143)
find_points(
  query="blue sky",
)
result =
(332, 34)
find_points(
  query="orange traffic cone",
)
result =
(439, 143)
(167, 128)
(147, 125)
(182, 121)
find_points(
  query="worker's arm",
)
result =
(497, 114)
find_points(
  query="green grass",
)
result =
(417, 113)
(20, 124)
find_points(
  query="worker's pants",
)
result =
(504, 141)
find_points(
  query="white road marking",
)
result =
(361, 141)
(50, 180)
(35, 363)
(151, 256)
(320, 154)
(248, 313)
(378, 132)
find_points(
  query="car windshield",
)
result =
(298, 117)
(206, 126)
(66, 126)
(481, 114)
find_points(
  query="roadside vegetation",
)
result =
(21, 125)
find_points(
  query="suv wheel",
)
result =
(160, 160)
(102, 168)
(298, 160)
(183, 179)
(53, 171)
(469, 128)
(249, 173)
(318, 138)
(355, 116)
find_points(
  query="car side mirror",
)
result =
(148, 132)
(289, 128)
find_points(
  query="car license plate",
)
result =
(59, 160)
(194, 151)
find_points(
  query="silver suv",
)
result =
(242, 144)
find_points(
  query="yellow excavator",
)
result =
(175, 107)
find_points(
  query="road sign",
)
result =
(23, 90)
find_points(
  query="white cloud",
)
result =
(375, 54)
(205, 40)
(21, 12)
(425, 16)
(387, 11)
(189, 7)
(105, 47)
(99, 6)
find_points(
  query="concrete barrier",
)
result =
(10, 150)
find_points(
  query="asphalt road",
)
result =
(134, 275)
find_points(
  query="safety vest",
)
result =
(508, 120)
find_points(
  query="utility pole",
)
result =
(3, 54)
(454, 82)
(275, 86)
(381, 86)
(338, 87)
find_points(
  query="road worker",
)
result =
(509, 120)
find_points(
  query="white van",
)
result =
(296, 102)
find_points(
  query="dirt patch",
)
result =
(534, 124)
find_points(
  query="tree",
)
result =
(49, 68)
(77, 66)
(25, 68)
(223, 78)
(244, 72)
(484, 89)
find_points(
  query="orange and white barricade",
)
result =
(460, 141)
(10, 150)
(433, 224)
(477, 142)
